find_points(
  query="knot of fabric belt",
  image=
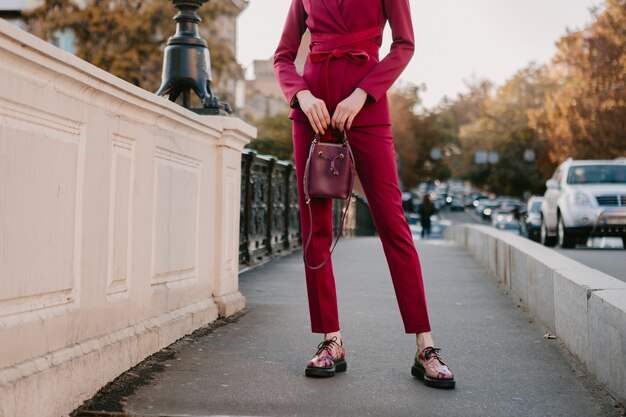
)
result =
(353, 55)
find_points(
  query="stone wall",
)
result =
(119, 219)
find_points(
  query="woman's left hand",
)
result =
(347, 110)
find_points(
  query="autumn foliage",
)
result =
(575, 106)
(585, 115)
(127, 37)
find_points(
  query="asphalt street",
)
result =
(255, 365)
(611, 261)
(606, 255)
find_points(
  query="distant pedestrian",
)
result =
(425, 211)
(343, 88)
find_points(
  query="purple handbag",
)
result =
(329, 173)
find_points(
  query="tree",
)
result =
(585, 116)
(452, 114)
(415, 135)
(503, 127)
(402, 102)
(126, 37)
(274, 137)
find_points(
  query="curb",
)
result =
(584, 307)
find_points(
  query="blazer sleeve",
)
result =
(288, 78)
(386, 72)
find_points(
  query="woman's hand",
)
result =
(315, 110)
(347, 110)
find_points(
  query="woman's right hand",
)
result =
(315, 110)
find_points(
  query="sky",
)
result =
(455, 40)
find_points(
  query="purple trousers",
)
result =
(375, 160)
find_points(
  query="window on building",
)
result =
(64, 39)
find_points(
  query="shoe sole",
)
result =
(340, 366)
(419, 373)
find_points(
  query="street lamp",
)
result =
(187, 63)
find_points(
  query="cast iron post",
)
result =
(187, 63)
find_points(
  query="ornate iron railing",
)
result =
(270, 213)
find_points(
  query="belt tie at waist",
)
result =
(357, 47)
(356, 56)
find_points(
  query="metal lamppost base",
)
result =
(211, 111)
(187, 63)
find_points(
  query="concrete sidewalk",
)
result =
(254, 366)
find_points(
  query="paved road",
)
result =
(606, 255)
(461, 217)
(609, 261)
(255, 366)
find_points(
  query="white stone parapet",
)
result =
(584, 307)
(119, 225)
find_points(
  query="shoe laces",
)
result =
(327, 345)
(431, 352)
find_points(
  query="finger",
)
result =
(313, 123)
(339, 114)
(314, 115)
(324, 117)
(339, 120)
(319, 111)
(342, 121)
(349, 122)
(325, 113)
(318, 123)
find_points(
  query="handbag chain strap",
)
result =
(307, 200)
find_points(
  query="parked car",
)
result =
(479, 205)
(509, 203)
(530, 225)
(458, 203)
(439, 201)
(504, 219)
(488, 207)
(584, 198)
(472, 199)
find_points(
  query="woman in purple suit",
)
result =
(343, 88)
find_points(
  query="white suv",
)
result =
(584, 198)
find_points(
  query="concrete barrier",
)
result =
(584, 307)
(119, 225)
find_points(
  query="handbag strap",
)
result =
(307, 169)
(307, 200)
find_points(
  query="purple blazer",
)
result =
(345, 39)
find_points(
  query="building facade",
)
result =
(264, 97)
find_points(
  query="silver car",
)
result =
(584, 198)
